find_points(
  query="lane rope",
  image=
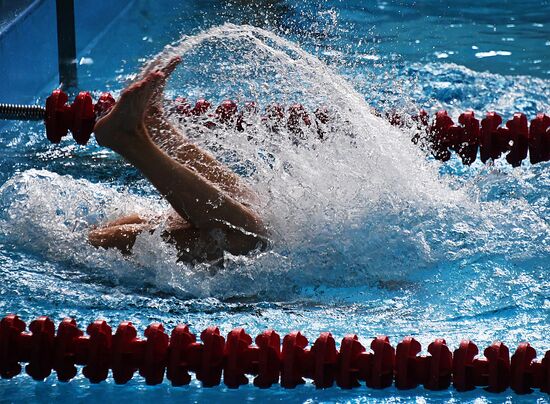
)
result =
(440, 136)
(270, 362)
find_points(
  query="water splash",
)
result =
(359, 206)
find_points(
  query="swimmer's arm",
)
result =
(175, 144)
(206, 206)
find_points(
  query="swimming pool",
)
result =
(372, 240)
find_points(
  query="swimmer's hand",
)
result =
(123, 128)
(154, 116)
(139, 105)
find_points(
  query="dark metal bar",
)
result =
(22, 112)
(66, 44)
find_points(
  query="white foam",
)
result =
(489, 54)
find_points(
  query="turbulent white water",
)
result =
(362, 205)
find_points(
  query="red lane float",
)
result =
(58, 116)
(83, 117)
(517, 138)
(124, 354)
(79, 117)
(443, 136)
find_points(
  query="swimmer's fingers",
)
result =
(169, 68)
(139, 94)
(166, 71)
(158, 65)
(150, 67)
(151, 86)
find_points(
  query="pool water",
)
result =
(370, 235)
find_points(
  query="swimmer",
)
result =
(211, 208)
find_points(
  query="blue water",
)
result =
(377, 239)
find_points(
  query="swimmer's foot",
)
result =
(122, 129)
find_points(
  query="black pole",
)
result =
(66, 44)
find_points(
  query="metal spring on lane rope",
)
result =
(22, 112)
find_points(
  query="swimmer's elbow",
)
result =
(239, 243)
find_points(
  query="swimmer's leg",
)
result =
(191, 195)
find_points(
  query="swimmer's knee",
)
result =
(242, 244)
